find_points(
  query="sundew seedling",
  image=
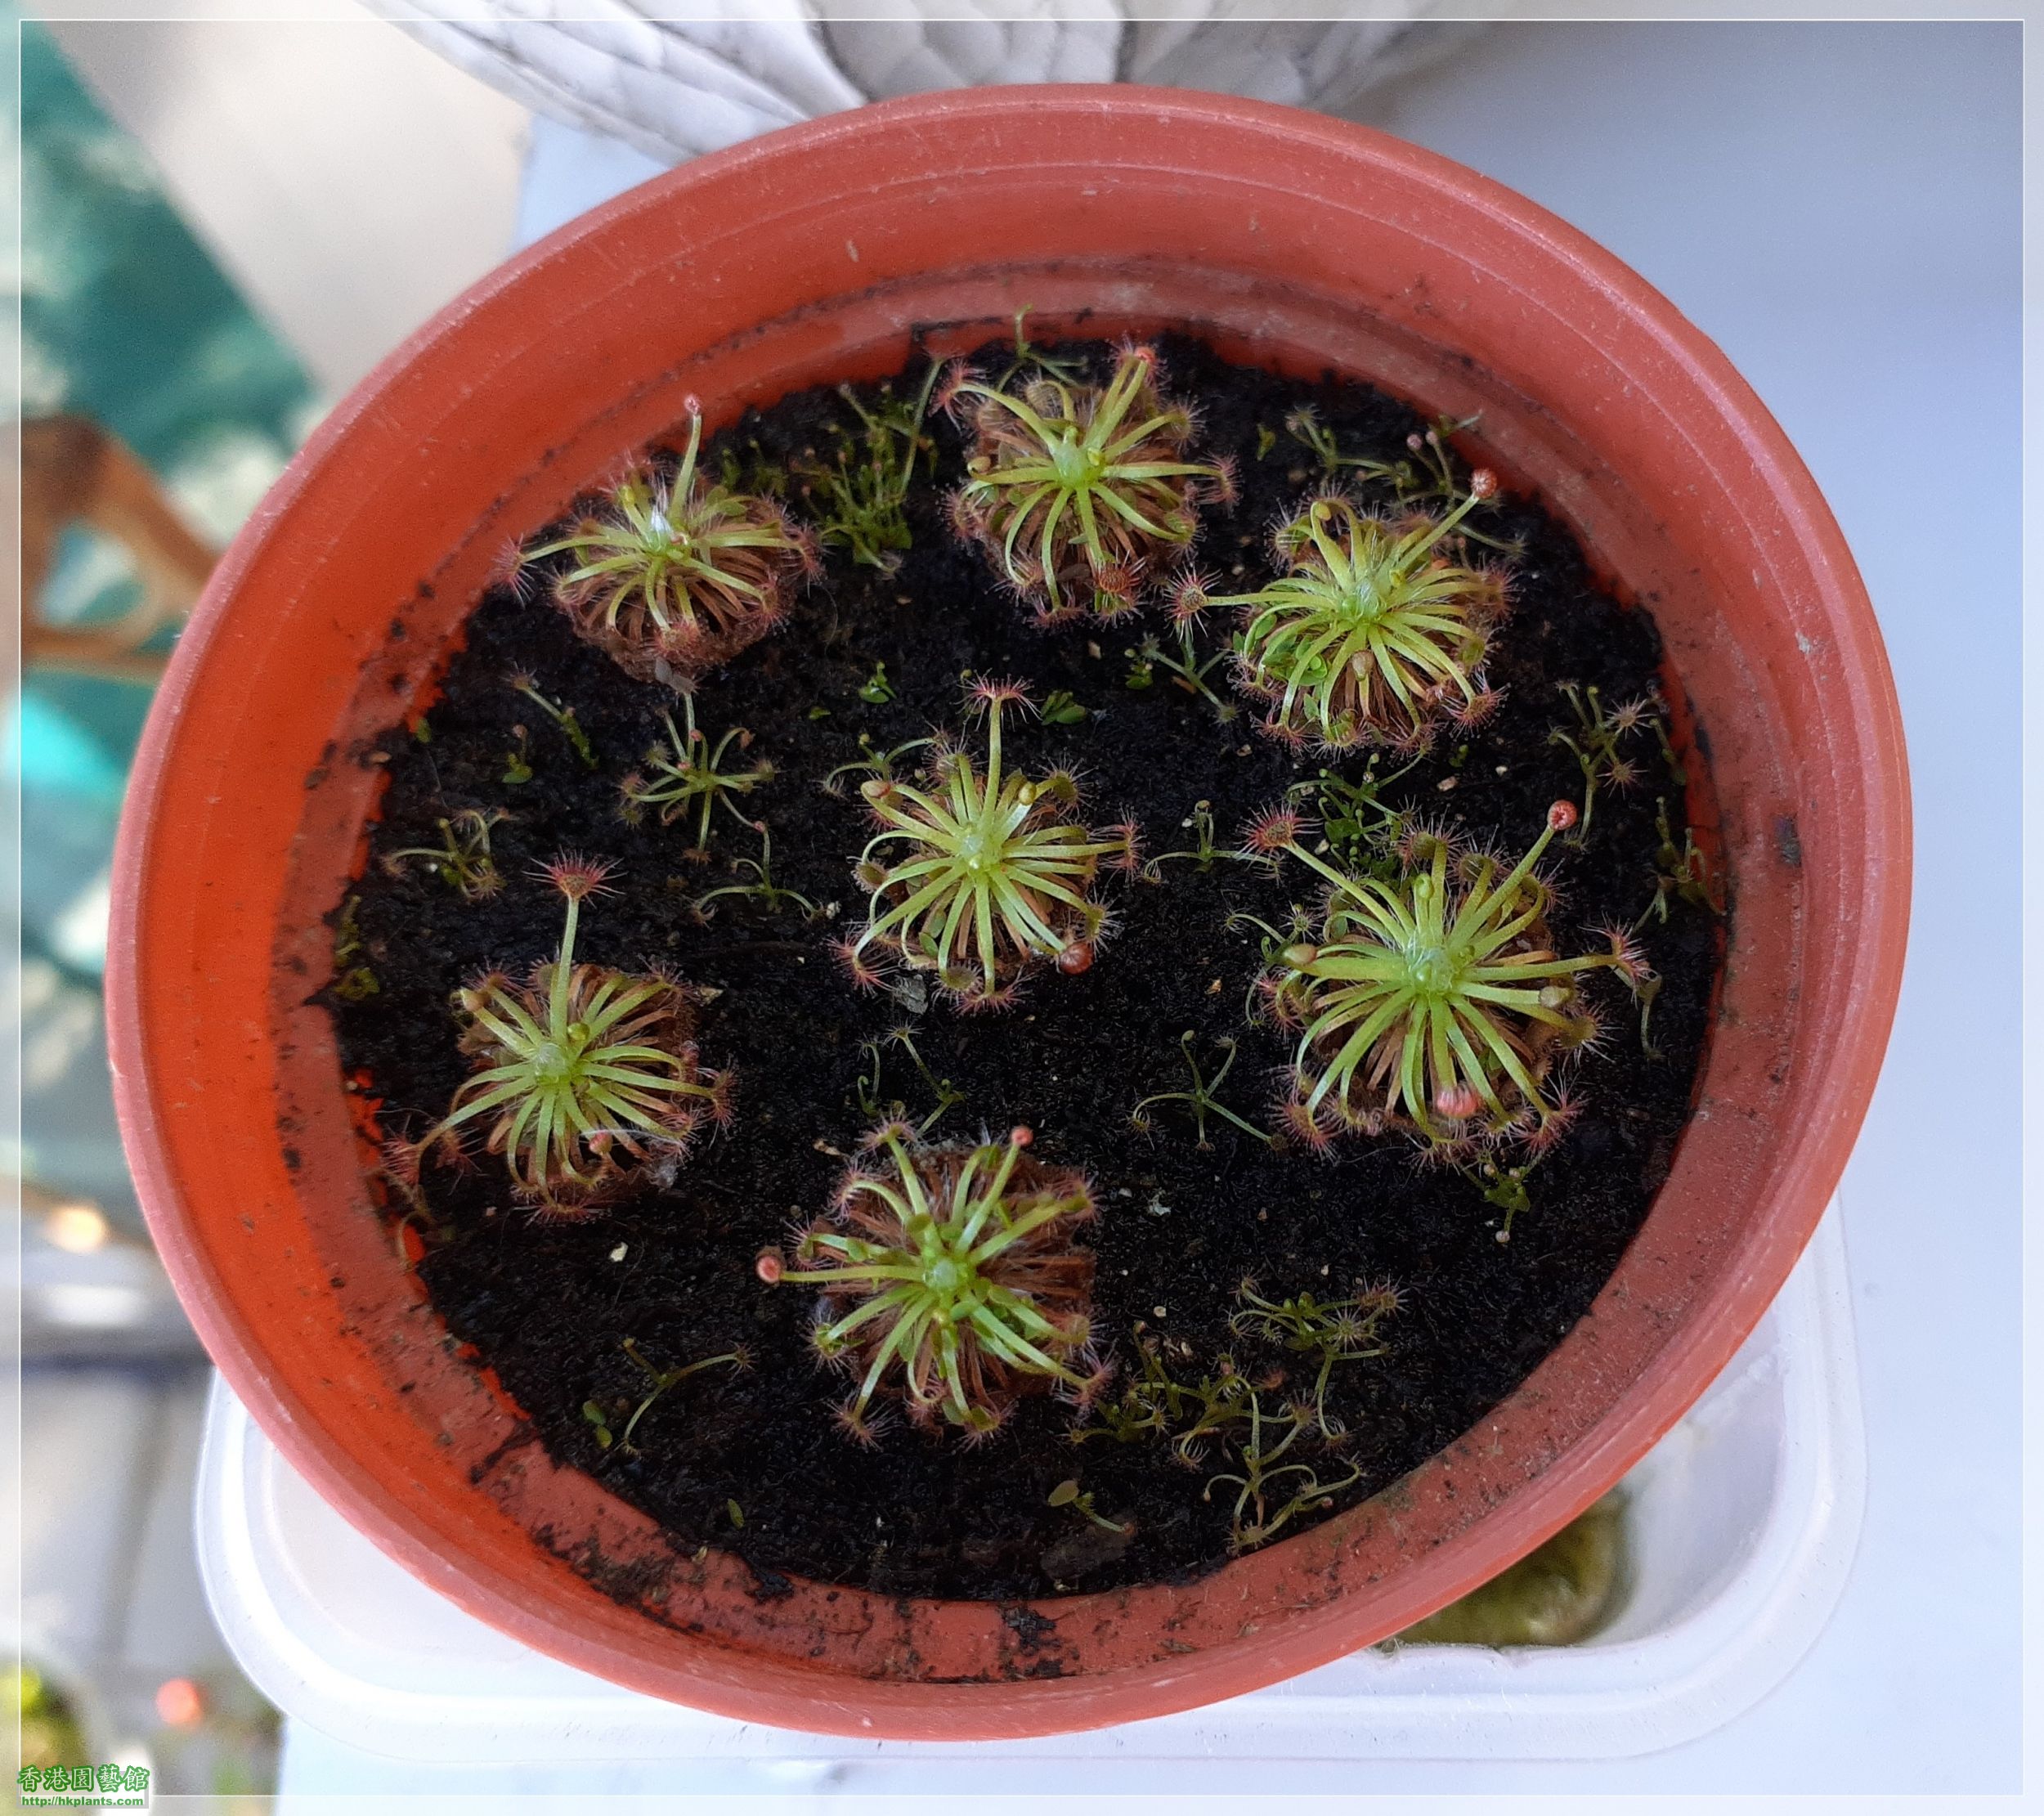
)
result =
(1372, 635)
(1597, 742)
(1201, 1098)
(462, 860)
(1027, 356)
(1177, 654)
(1682, 872)
(1151, 1401)
(689, 779)
(674, 577)
(761, 887)
(1340, 1330)
(875, 763)
(975, 875)
(1078, 493)
(945, 1095)
(950, 1280)
(1080, 1501)
(1428, 473)
(1224, 1416)
(859, 498)
(1207, 850)
(354, 979)
(660, 1380)
(587, 1078)
(563, 716)
(1356, 825)
(1273, 1485)
(1433, 1001)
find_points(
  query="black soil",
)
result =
(549, 1305)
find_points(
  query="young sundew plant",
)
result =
(1078, 492)
(673, 577)
(462, 860)
(1373, 635)
(976, 875)
(692, 780)
(588, 1077)
(1433, 1001)
(950, 1280)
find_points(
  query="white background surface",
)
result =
(1838, 207)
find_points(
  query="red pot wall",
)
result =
(807, 256)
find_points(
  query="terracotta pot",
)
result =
(804, 257)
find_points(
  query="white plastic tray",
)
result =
(1743, 1523)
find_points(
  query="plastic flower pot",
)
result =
(807, 256)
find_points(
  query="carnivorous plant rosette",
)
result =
(693, 779)
(589, 1076)
(975, 876)
(1372, 635)
(1076, 492)
(950, 1279)
(675, 576)
(1434, 1001)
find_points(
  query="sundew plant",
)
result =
(674, 577)
(1433, 1001)
(975, 874)
(1372, 635)
(1079, 493)
(950, 1280)
(587, 1078)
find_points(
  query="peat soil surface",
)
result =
(754, 1461)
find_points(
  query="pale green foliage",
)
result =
(950, 1278)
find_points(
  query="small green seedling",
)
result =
(462, 860)
(1069, 1493)
(694, 780)
(1028, 356)
(1503, 1187)
(1356, 827)
(351, 981)
(1428, 473)
(518, 760)
(1207, 850)
(1202, 1100)
(881, 765)
(1343, 1330)
(876, 690)
(1180, 658)
(1683, 872)
(863, 491)
(1259, 1516)
(1154, 1403)
(562, 714)
(762, 889)
(1595, 743)
(949, 1277)
(662, 1379)
(946, 1095)
(1061, 709)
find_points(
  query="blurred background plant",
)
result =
(157, 407)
